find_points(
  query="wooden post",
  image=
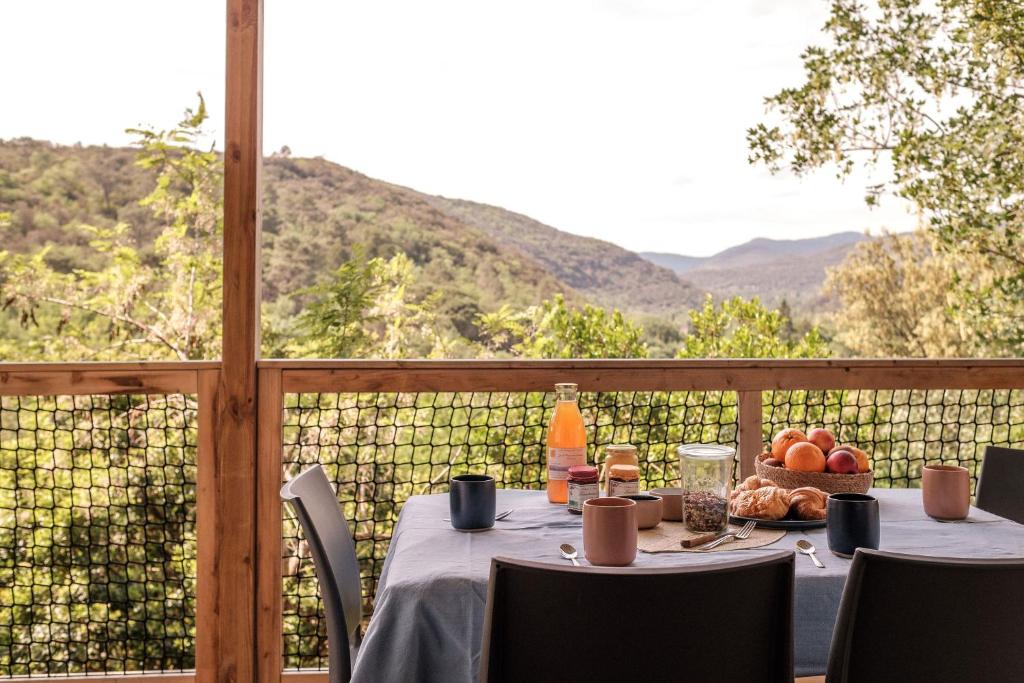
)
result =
(751, 440)
(228, 653)
(206, 527)
(268, 538)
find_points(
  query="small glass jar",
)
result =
(623, 480)
(707, 479)
(582, 487)
(617, 454)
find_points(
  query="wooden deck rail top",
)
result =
(645, 375)
(41, 379)
(299, 376)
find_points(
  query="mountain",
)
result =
(316, 214)
(675, 262)
(773, 270)
(603, 272)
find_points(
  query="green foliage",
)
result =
(316, 212)
(738, 328)
(603, 274)
(131, 303)
(98, 542)
(897, 297)
(368, 310)
(936, 91)
(334, 322)
(554, 330)
(661, 337)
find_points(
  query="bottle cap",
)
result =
(624, 471)
(583, 472)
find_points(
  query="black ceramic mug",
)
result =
(472, 500)
(852, 523)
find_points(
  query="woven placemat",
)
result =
(667, 537)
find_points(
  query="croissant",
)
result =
(751, 483)
(766, 502)
(807, 502)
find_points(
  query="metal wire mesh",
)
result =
(381, 448)
(97, 534)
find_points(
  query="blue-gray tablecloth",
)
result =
(429, 610)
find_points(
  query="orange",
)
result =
(863, 464)
(805, 457)
(783, 440)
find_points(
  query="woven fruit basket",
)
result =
(825, 481)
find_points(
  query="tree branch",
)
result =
(151, 331)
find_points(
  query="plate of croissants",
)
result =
(774, 507)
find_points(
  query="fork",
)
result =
(497, 518)
(743, 533)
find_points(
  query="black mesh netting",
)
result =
(97, 534)
(381, 448)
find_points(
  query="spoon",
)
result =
(569, 553)
(807, 548)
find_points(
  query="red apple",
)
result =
(842, 462)
(862, 457)
(822, 438)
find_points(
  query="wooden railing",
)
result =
(748, 378)
(91, 379)
(278, 378)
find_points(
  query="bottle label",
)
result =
(561, 459)
(579, 493)
(623, 488)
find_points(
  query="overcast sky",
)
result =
(615, 119)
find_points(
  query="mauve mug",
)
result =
(471, 499)
(609, 531)
(946, 491)
(852, 523)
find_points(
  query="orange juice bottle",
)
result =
(567, 442)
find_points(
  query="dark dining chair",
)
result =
(334, 558)
(726, 622)
(909, 618)
(1001, 483)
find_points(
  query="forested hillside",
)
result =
(318, 215)
(605, 273)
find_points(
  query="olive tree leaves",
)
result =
(935, 92)
(141, 301)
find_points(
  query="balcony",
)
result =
(108, 512)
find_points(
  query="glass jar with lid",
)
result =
(706, 471)
(583, 486)
(617, 454)
(623, 480)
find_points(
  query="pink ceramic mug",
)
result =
(609, 531)
(946, 491)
